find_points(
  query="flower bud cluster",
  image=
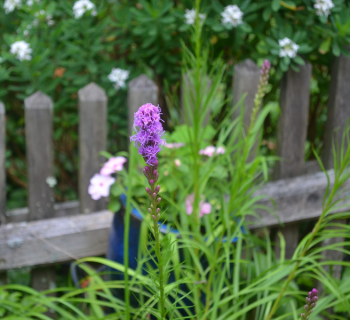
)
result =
(264, 78)
(311, 300)
(152, 176)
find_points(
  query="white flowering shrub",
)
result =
(60, 46)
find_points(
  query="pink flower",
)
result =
(99, 186)
(113, 165)
(174, 145)
(210, 150)
(205, 207)
(177, 162)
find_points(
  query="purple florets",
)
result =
(149, 132)
(311, 300)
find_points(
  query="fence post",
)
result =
(246, 77)
(141, 90)
(291, 137)
(39, 144)
(2, 177)
(92, 140)
(2, 165)
(338, 115)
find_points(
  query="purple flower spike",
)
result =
(311, 303)
(149, 133)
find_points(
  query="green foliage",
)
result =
(142, 37)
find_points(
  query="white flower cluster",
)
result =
(232, 16)
(11, 5)
(81, 6)
(288, 48)
(190, 16)
(323, 7)
(118, 77)
(22, 50)
(31, 2)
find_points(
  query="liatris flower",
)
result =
(323, 7)
(264, 78)
(149, 132)
(288, 48)
(310, 304)
(231, 16)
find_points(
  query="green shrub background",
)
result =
(145, 37)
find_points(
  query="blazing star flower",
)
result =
(204, 207)
(22, 50)
(311, 300)
(190, 16)
(99, 186)
(210, 151)
(174, 145)
(323, 7)
(149, 132)
(81, 6)
(288, 48)
(264, 80)
(118, 77)
(231, 16)
(112, 165)
(11, 5)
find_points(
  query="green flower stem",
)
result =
(155, 217)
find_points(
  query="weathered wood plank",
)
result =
(92, 140)
(63, 209)
(54, 240)
(297, 199)
(2, 165)
(142, 90)
(39, 143)
(63, 239)
(291, 136)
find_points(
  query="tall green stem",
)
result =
(126, 235)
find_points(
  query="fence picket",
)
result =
(39, 144)
(2, 177)
(246, 78)
(338, 115)
(2, 165)
(291, 137)
(92, 140)
(141, 90)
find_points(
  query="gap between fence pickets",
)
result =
(52, 241)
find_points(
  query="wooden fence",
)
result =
(46, 233)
